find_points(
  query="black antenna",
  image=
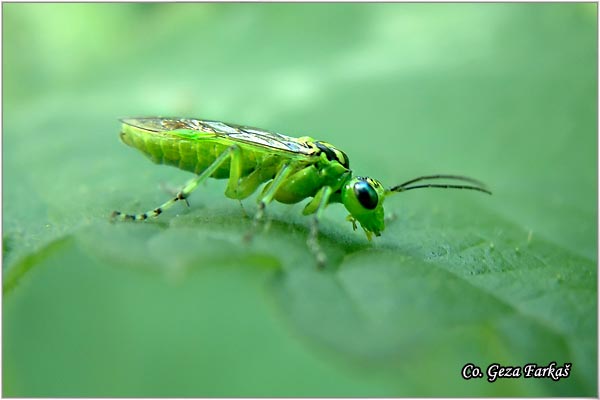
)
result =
(479, 186)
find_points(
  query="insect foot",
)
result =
(123, 217)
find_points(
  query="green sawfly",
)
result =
(291, 170)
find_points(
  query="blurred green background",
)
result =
(180, 306)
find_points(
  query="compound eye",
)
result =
(366, 195)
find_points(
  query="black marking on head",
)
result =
(374, 183)
(131, 217)
(346, 161)
(366, 195)
(180, 196)
(157, 211)
(333, 154)
(144, 216)
(328, 152)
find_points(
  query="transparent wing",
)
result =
(235, 132)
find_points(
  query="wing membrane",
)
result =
(234, 132)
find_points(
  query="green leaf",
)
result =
(181, 306)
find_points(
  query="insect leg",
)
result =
(183, 193)
(267, 196)
(316, 206)
(239, 187)
(243, 209)
(235, 173)
(172, 191)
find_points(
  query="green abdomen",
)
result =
(193, 155)
(180, 153)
